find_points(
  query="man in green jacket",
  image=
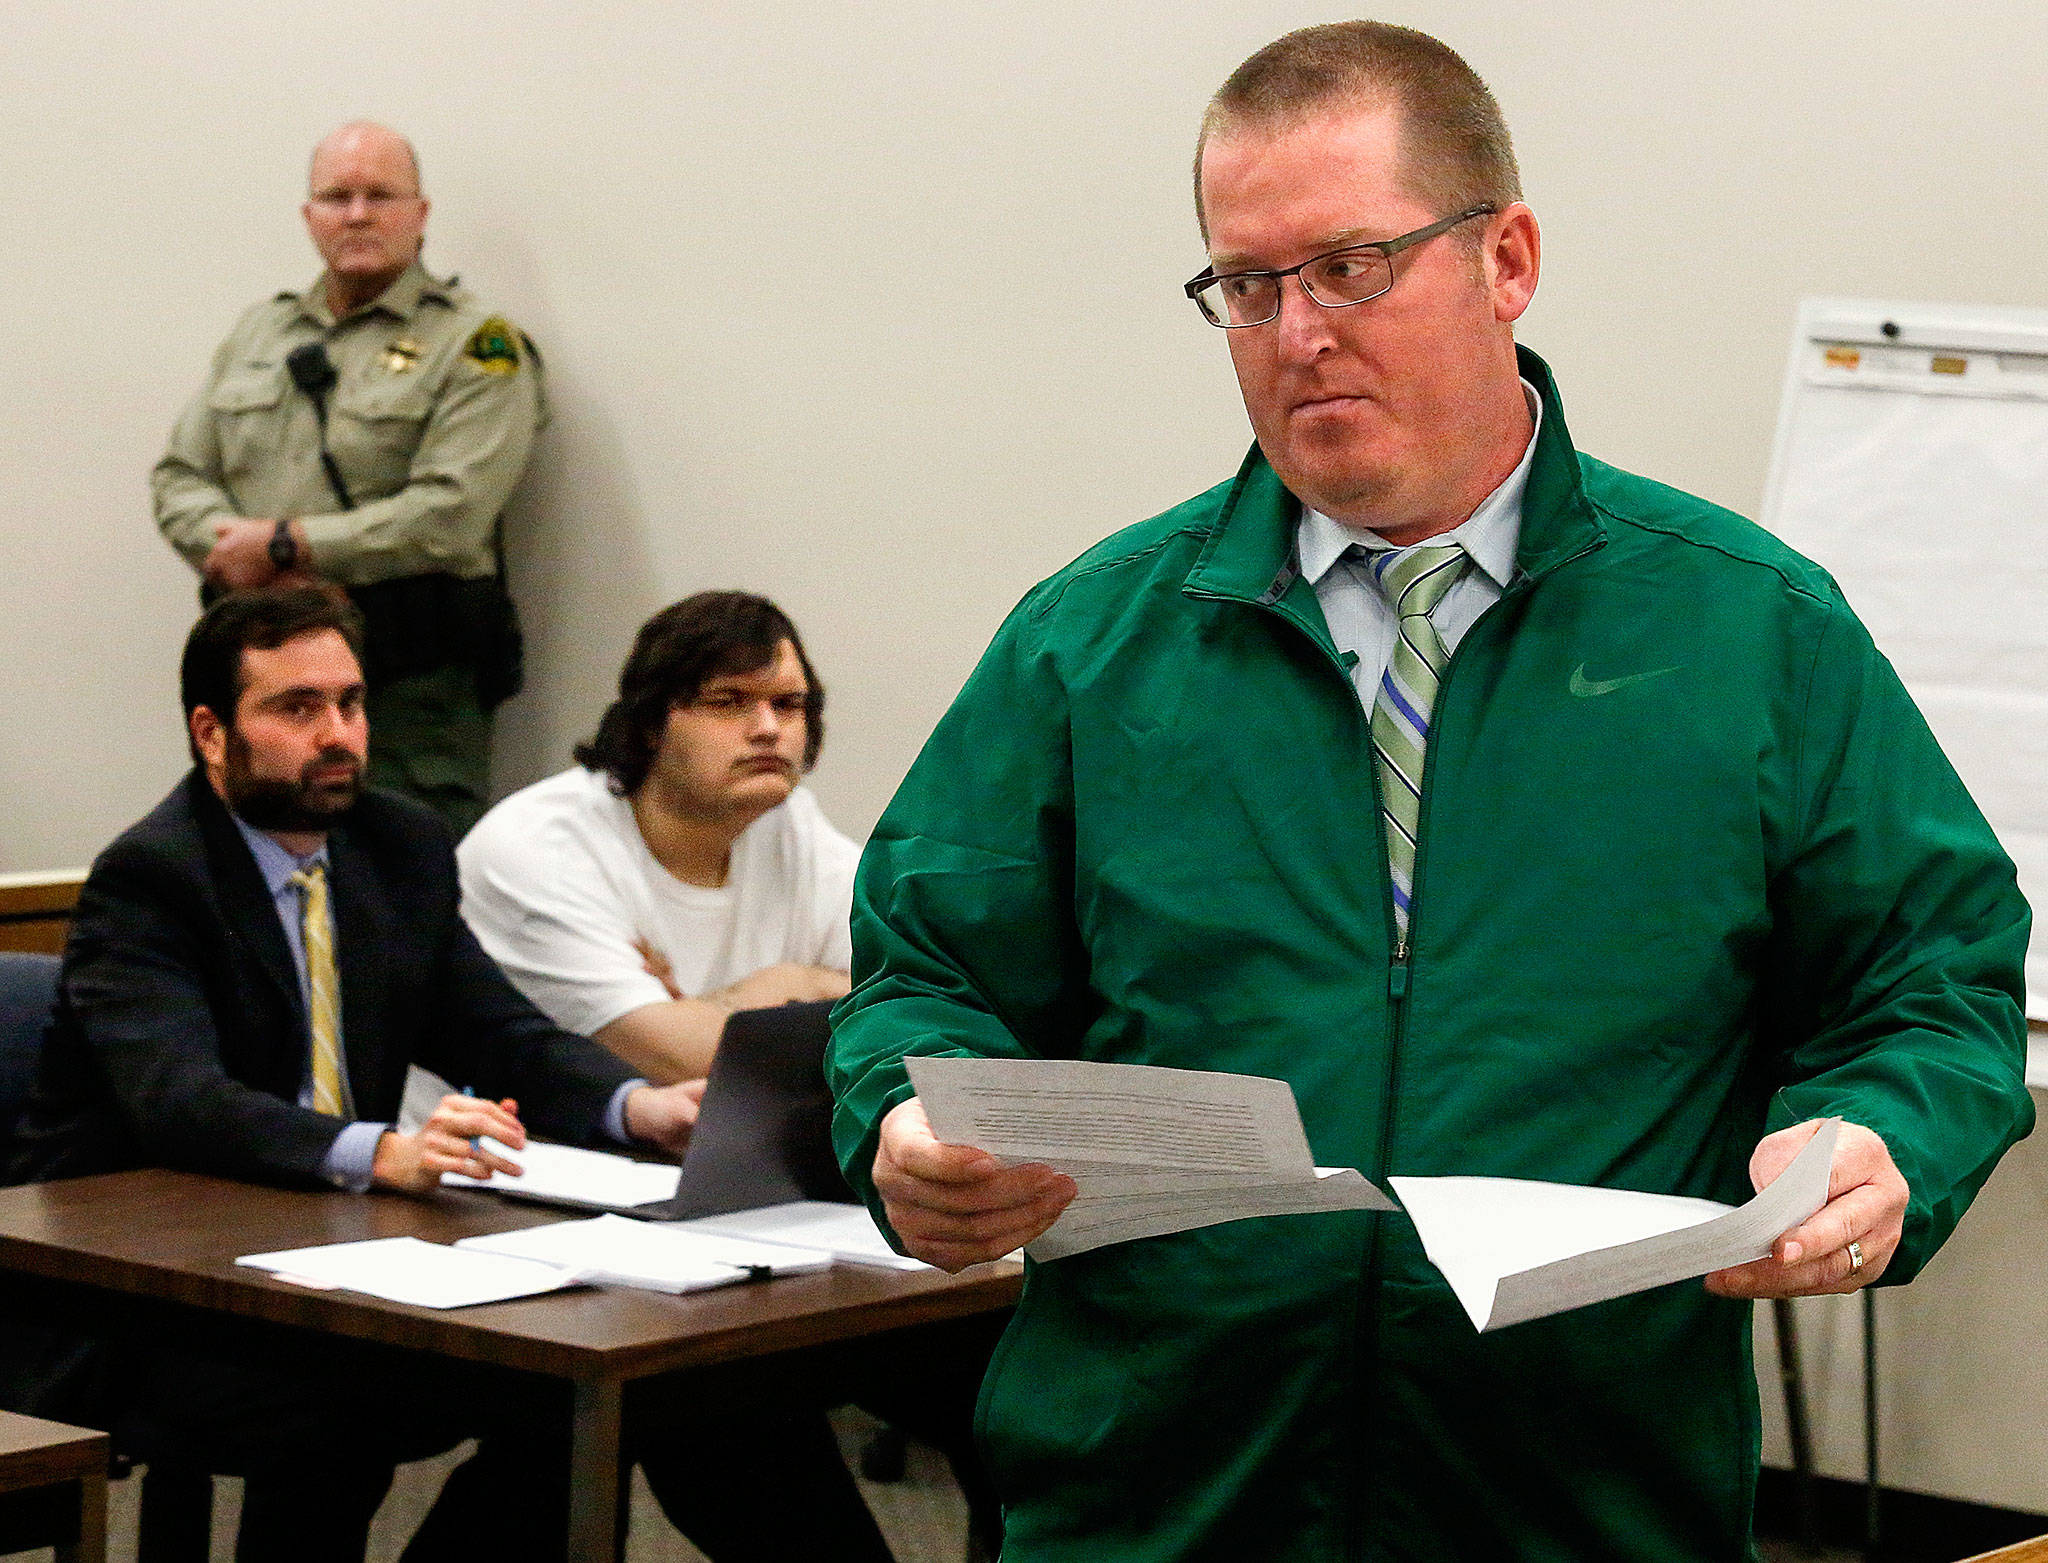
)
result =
(1529, 818)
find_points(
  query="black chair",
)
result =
(28, 992)
(177, 1502)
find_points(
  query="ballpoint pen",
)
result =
(475, 1143)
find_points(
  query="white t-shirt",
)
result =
(557, 885)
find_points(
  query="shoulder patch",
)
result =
(494, 347)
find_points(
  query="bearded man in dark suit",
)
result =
(251, 970)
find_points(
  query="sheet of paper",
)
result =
(846, 1232)
(1515, 1250)
(407, 1270)
(1151, 1150)
(650, 1255)
(1094, 1221)
(1138, 1118)
(581, 1177)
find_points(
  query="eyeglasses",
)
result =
(1355, 274)
(343, 200)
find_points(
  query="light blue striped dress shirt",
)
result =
(1362, 621)
(353, 1154)
(354, 1151)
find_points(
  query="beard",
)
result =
(296, 804)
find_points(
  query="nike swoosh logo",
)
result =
(1583, 686)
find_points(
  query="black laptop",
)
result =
(764, 1136)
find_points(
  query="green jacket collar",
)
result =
(1250, 554)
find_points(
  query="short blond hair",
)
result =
(1455, 143)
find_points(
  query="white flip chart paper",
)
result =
(1153, 1150)
(1912, 463)
(1514, 1250)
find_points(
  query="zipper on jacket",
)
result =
(1401, 971)
(1519, 587)
(1400, 966)
(1400, 974)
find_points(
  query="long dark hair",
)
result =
(676, 651)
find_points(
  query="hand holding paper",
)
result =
(953, 1205)
(1148, 1150)
(1866, 1205)
(1514, 1250)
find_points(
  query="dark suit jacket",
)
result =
(180, 1034)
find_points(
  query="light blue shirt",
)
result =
(353, 1154)
(354, 1151)
(1360, 618)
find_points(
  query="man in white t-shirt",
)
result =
(679, 872)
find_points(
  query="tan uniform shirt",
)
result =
(430, 420)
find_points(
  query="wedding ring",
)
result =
(1855, 1257)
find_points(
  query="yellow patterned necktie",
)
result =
(323, 992)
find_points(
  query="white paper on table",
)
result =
(652, 1256)
(408, 1270)
(1152, 1150)
(578, 1176)
(1514, 1250)
(846, 1232)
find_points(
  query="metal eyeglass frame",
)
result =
(1387, 249)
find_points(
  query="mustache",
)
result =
(332, 755)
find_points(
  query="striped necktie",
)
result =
(323, 993)
(1414, 580)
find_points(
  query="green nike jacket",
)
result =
(1692, 869)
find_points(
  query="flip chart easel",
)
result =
(1912, 463)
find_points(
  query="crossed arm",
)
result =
(472, 451)
(676, 1039)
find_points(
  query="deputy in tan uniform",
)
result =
(368, 431)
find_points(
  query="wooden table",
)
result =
(53, 1488)
(155, 1249)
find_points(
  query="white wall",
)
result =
(976, 359)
